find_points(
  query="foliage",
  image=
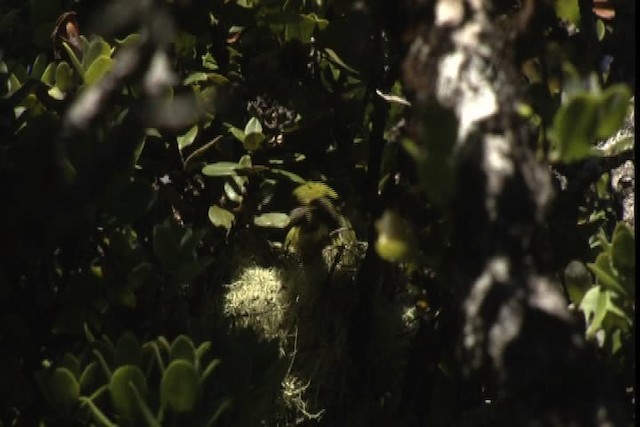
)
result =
(170, 169)
(135, 383)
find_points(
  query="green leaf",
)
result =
(392, 250)
(601, 30)
(122, 396)
(237, 133)
(623, 252)
(98, 415)
(301, 30)
(214, 418)
(74, 59)
(72, 363)
(202, 350)
(195, 78)
(126, 298)
(48, 76)
(218, 79)
(64, 388)
(190, 240)
(253, 135)
(231, 192)
(144, 408)
(187, 138)
(596, 305)
(64, 76)
(253, 141)
(209, 62)
(568, 10)
(613, 106)
(221, 217)
(577, 280)
(220, 169)
(320, 22)
(209, 370)
(394, 242)
(616, 341)
(129, 40)
(182, 348)
(97, 47)
(185, 45)
(89, 378)
(39, 66)
(289, 175)
(180, 387)
(98, 69)
(163, 343)
(102, 361)
(333, 56)
(605, 276)
(253, 126)
(574, 129)
(272, 219)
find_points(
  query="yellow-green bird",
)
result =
(311, 225)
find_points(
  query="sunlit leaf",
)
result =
(77, 65)
(605, 276)
(221, 217)
(231, 193)
(569, 10)
(97, 47)
(220, 169)
(253, 135)
(237, 133)
(195, 78)
(98, 69)
(128, 40)
(272, 219)
(289, 175)
(597, 304)
(209, 62)
(49, 74)
(253, 141)
(601, 30)
(64, 76)
(187, 138)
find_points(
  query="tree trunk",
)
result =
(517, 333)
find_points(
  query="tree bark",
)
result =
(517, 333)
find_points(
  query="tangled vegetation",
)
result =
(333, 212)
